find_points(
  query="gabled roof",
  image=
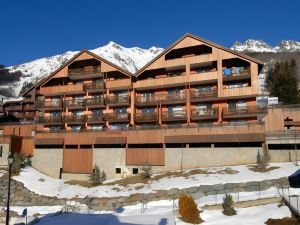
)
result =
(69, 62)
(201, 40)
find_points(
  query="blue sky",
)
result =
(32, 29)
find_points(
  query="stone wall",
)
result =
(21, 196)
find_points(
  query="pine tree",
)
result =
(281, 82)
(95, 176)
(188, 209)
(227, 204)
(147, 170)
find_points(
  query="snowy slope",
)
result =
(130, 59)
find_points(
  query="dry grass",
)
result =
(87, 184)
(284, 221)
(262, 170)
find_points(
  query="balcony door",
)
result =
(202, 109)
(237, 104)
(55, 101)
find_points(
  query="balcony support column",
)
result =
(132, 112)
(188, 104)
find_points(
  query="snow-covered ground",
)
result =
(45, 185)
(160, 212)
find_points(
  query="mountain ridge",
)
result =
(130, 59)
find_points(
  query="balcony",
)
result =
(239, 92)
(205, 114)
(28, 100)
(58, 90)
(74, 104)
(243, 112)
(94, 87)
(148, 117)
(175, 98)
(74, 119)
(28, 115)
(51, 120)
(50, 105)
(146, 100)
(118, 100)
(94, 102)
(119, 84)
(118, 117)
(13, 108)
(202, 96)
(236, 73)
(85, 73)
(28, 108)
(95, 118)
(174, 116)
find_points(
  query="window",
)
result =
(1, 150)
(135, 170)
(96, 127)
(118, 170)
(76, 127)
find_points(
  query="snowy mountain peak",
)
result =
(252, 45)
(288, 46)
(130, 59)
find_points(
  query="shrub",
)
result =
(188, 210)
(97, 177)
(147, 170)
(261, 161)
(227, 204)
(18, 163)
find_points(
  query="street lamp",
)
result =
(10, 160)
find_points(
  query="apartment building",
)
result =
(193, 105)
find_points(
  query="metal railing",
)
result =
(118, 99)
(243, 110)
(49, 104)
(203, 94)
(94, 118)
(94, 101)
(212, 113)
(74, 103)
(117, 117)
(174, 115)
(74, 119)
(49, 119)
(148, 116)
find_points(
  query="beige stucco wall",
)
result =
(109, 159)
(48, 161)
(5, 152)
(284, 155)
(74, 176)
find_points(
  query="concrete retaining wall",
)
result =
(48, 161)
(4, 156)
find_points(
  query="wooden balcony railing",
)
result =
(195, 95)
(236, 73)
(50, 119)
(75, 103)
(95, 118)
(247, 111)
(146, 117)
(204, 114)
(119, 84)
(57, 90)
(28, 107)
(118, 100)
(13, 108)
(96, 86)
(27, 100)
(49, 104)
(174, 116)
(94, 102)
(85, 71)
(74, 119)
(118, 117)
(28, 115)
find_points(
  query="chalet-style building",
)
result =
(193, 105)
